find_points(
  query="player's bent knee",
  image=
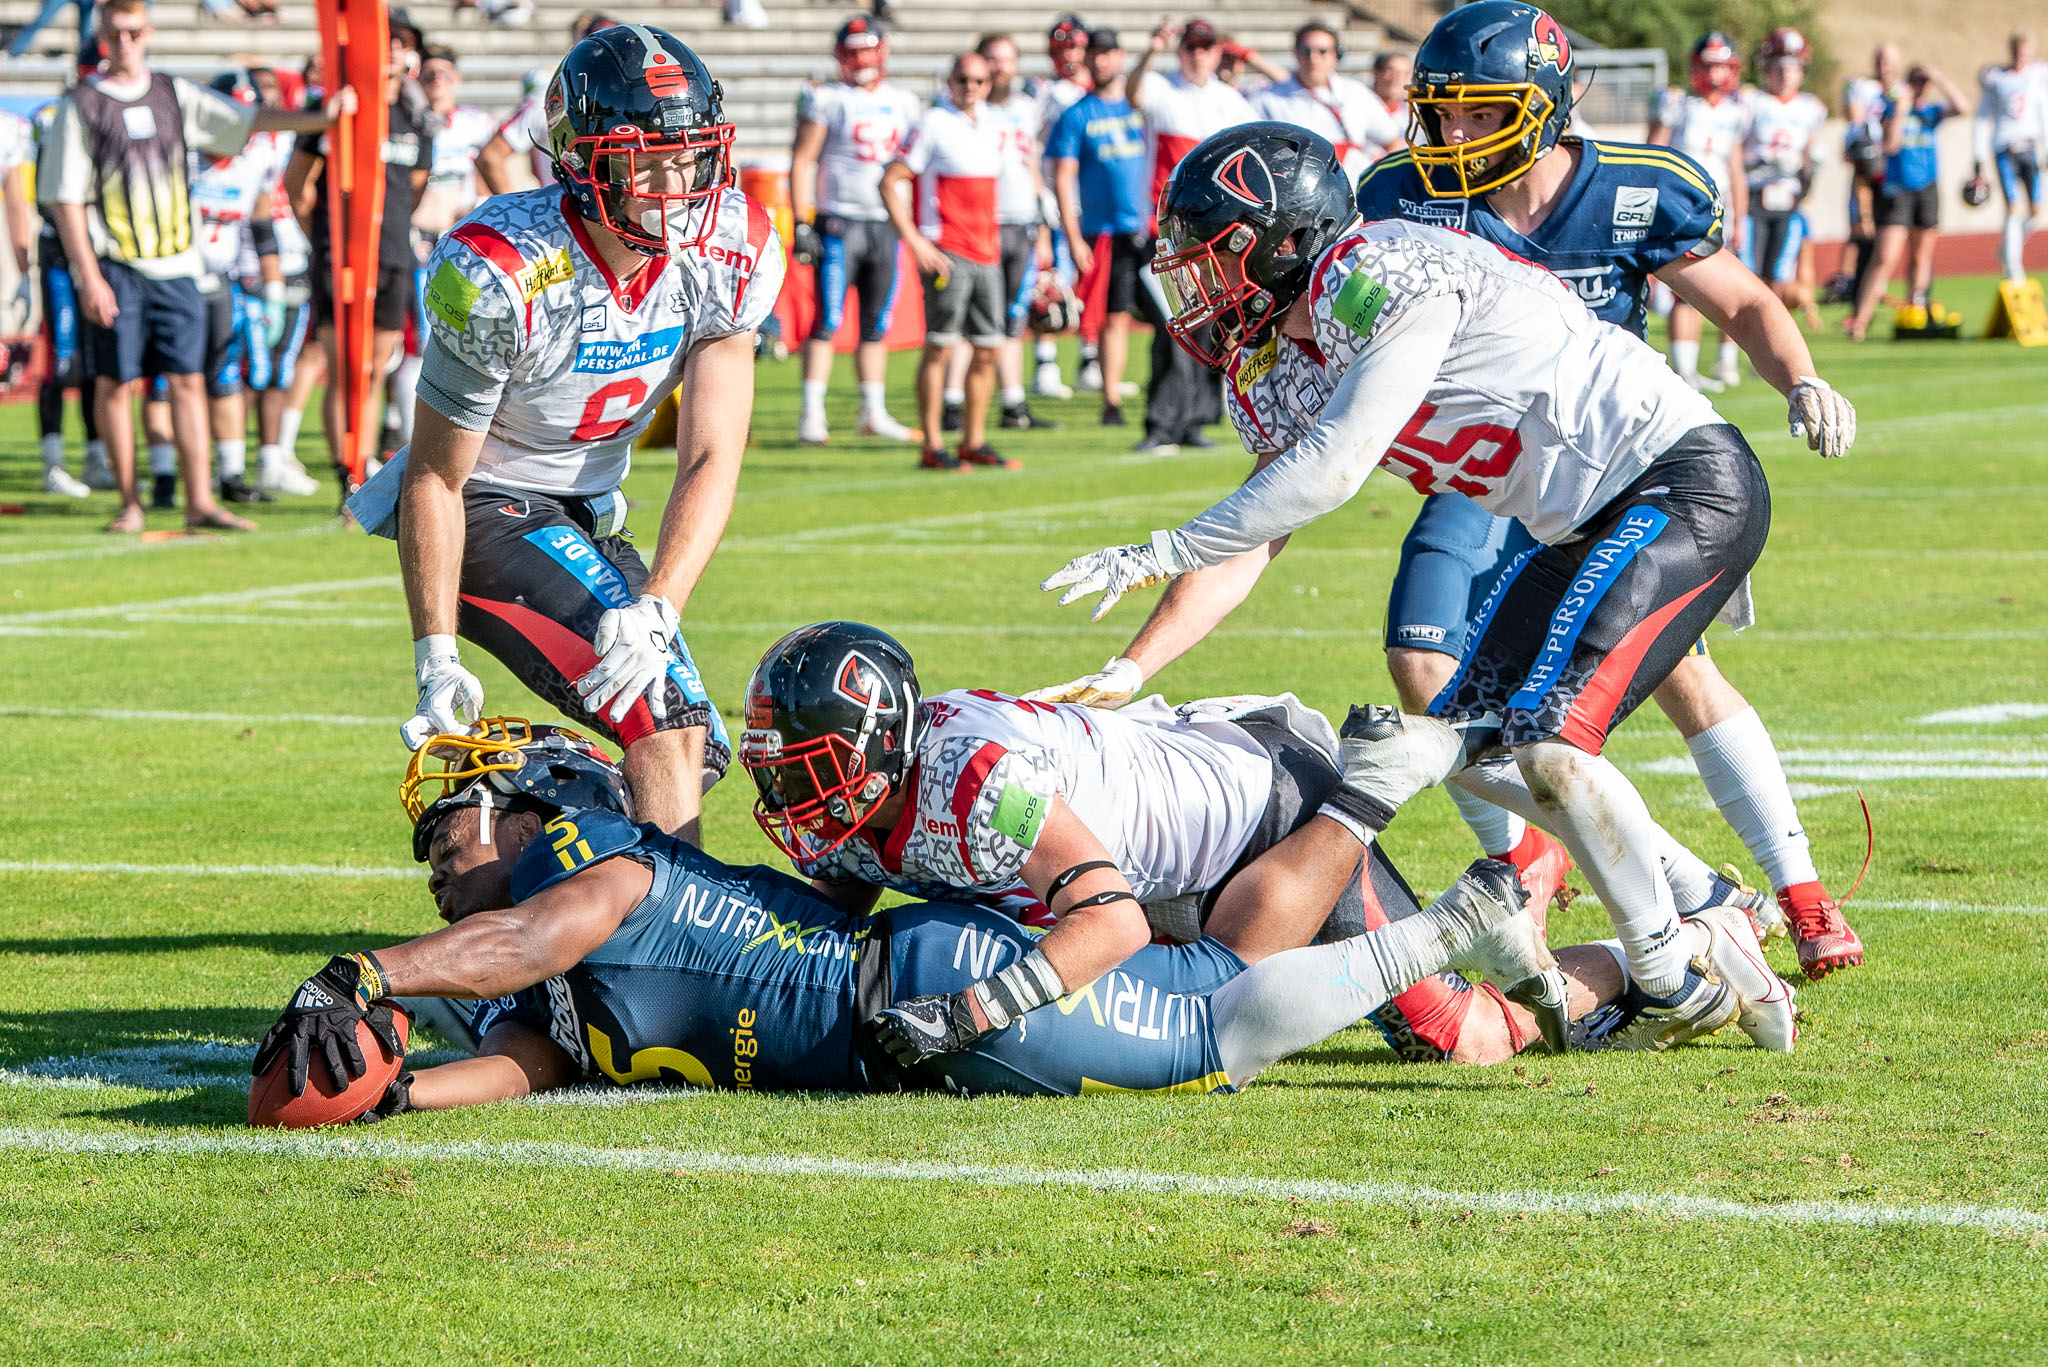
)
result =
(1554, 770)
(1488, 1034)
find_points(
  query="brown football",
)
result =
(272, 1104)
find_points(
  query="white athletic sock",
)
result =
(405, 383)
(1013, 396)
(874, 396)
(268, 458)
(1300, 997)
(1685, 357)
(1498, 829)
(53, 450)
(1047, 352)
(1728, 352)
(288, 420)
(233, 457)
(1499, 782)
(1740, 767)
(814, 397)
(2012, 244)
(1603, 822)
(1693, 940)
(163, 458)
(954, 397)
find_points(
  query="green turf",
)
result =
(1904, 581)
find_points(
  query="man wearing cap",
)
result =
(1103, 180)
(847, 131)
(1181, 108)
(1315, 97)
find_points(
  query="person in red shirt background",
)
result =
(953, 156)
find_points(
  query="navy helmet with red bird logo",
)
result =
(1492, 52)
(640, 140)
(832, 716)
(1242, 223)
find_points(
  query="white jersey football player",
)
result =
(1211, 819)
(1778, 158)
(557, 321)
(2012, 134)
(452, 183)
(847, 131)
(1709, 125)
(1346, 346)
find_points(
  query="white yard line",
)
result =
(207, 870)
(93, 633)
(102, 547)
(221, 718)
(679, 1162)
(315, 589)
(1985, 715)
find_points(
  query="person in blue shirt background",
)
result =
(1492, 94)
(1909, 198)
(1103, 180)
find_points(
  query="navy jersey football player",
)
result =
(1489, 101)
(605, 949)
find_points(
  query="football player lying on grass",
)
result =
(604, 948)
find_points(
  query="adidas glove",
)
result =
(1822, 416)
(806, 248)
(1114, 572)
(635, 647)
(323, 1015)
(397, 1100)
(918, 1028)
(450, 696)
(1114, 685)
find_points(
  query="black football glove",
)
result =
(806, 248)
(918, 1028)
(397, 1100)
(325, 1011)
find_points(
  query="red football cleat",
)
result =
(1543, 863)
(1824, 940)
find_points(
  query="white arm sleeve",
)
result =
(1379, 392)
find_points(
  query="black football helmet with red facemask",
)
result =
(1242, 223)
(640, 139)
(832, 724)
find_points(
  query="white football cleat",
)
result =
(1732, 948)
(1048, 385)
(811, 430)
(874, 424)
(1642, 1023)
(287, 476)
(1089, 380)
(1512, 954)
(1765, 916)
(1728, 372)
(58, 480)
(1703, 384)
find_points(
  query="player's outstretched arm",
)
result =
(515, 1060)
(431, 535)
(1735, 300)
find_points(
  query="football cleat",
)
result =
(1824, 940)
(1512, 954)
(1543, 863)
(1022, 418)
(1728, 373)
(1048, 385)
(1730, 891)
(812, 431)
(1155, 445)
(1643, 1023)
(1113, 415)
(939, 458)
(58, 480)
(1089, 380)
(99, 471)
(1766, 1012)
(287, 476)
(236, 489)
(1703, 384)
(949, 418)
(879, 424)
(986, 456)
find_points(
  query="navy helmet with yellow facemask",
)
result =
(1492, 52)
(508, 764)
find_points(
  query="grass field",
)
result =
(199, 805)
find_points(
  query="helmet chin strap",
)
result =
(484, 816)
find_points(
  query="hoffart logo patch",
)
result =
(1255, 366)
(1635, 206)
(609, 357)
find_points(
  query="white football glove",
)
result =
(450, 696)
(1114, 572)
(1116, 684)
(1822, 416)
(635, 646)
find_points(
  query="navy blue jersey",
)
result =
(747, 978)
(1629, 210)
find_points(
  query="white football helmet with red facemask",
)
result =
(862, 51)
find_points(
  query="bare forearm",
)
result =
(1194, 604)
(1767, 334)
(896, 201)
(85, 263)
(1088, 943)
(303, 121)
(472, 1082)
(716, 400)
(431, 534)
(490, 954)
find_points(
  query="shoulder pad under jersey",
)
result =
(571, 843)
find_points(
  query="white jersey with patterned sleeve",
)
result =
(1173, 799)
(1346, 112)
(864, 128)
(466, 130)
(2015, 105)
(1457, 366)
(1710, 131)
(518, 296)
